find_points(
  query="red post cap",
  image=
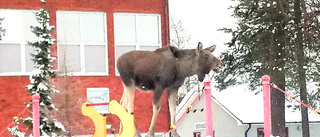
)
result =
(206, 84)
(265, 78)
(35, 97)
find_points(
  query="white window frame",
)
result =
(82, 46)
(105, 111)
(137, 44)
(22, 43)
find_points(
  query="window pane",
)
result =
(13, 24)
(149, 48)
(99, 95)
(10, 61)
(123, 49)
(68, 27)
(29, 19)
(148, 29)
(120, 50)
(95, 59)
(29, 62)
(93, 25)
(124, 28)
(69, 58)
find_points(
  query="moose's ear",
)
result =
(199, 48)
(212, 48)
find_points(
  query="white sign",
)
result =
(200, 126)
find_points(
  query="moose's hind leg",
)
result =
(127, 102)
(127, 98)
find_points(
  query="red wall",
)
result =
(12, 88)
(12, 98)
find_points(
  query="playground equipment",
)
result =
(267, 103)
(127, 120)
(208, 111)
(36, 118)
(99, 121)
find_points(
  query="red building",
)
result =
(90, 36)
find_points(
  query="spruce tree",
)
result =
(42, 78)
(279, 38)
(305, 38)
(257, 48)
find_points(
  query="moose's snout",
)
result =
(218, 66)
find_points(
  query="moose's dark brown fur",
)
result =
(160, 70)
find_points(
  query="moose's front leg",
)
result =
(172, 108)
(157, 94)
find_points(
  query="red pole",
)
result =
(97, 104)
(208, 109)
(267, 105)
(36, 119)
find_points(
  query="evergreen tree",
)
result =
(42, 78)
(279, 38)
(306, 47)
(258, 48)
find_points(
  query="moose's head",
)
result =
(206, 61)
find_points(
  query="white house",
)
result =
(236, 113)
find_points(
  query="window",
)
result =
(82, 44)
(197, 134)
(260, 132)
(136, 32)
(15, 54)
(99, 95)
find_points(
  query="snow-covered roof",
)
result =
(187, 100)
(248, 107)
(243, 105)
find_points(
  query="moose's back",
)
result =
(146, 69)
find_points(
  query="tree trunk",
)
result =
(301, 71)
(278, 108)
(277, 55)
(66, 88)
(278, 77)
(66, 99)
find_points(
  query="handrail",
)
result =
(291, 96)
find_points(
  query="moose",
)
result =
(160, 70)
